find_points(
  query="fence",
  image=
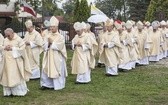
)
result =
(20, 29)
(66, 36)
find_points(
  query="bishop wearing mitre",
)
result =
(15, 68)
(54, 71)
(109, 49)
(34, 43)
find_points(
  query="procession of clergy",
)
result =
(119, 45)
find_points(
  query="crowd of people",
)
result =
(119, 45)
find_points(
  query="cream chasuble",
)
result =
(132, 45)
(156, 42)
(144, 42)
(164, 33)
(34, 49)
(110, 56)
(16, 67)
(93, 51)
(54, 55)
(82, 55)
(125, 57)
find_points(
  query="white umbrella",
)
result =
(97, 18)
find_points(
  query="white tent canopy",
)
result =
(97, 18)
(96, 11)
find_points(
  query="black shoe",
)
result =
(34, 79)
(9, 95)
(43, 88)
(121, 70)
(99, 65)
(81, 82)
(109, 75)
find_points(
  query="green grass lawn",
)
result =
(145, 85)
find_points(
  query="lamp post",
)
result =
(21, 15)
(42, 10)
(124, 10)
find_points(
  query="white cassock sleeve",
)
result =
(32, 45)
(124, 42)
(0, 57)
(161, 44)
(54, 46)
(45, 46)
(73, 46)
(85, 47)
(133, 40)
(15, 52)
(147, 46)
(110, 44)
(167, 35)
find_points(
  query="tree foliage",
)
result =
(157, 10)
(68, 8)
(35, 3)
(124, 9)
(4, 1)
(47, 7)
(50, 8)
(138, 9)
(81, 11)
(76, 10)
(112, 8)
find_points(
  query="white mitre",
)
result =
(54, 21)
(78, 26)
(28, 23)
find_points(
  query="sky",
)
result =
(63, 1)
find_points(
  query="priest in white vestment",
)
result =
(124, 51)
(157, 42)
(147, 27)
(88, 28)
(15, 70)
(99, 38)
(132, 43)
(144, 42)
(47, 30)
(94, 46)
(82, 46)
(164, 32)
(109, 49)
(54, 71)
(34, 42)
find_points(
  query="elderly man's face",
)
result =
(163, 26)
(120, 30)
(79, 32)
(30, 29)
(155, 28)
(85, 30)
(88, 30)
(53, 29)
(104, 29)
(129, 30)
(9, 35)
(109, 28)
(140, 29)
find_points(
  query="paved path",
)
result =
(163, 62)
